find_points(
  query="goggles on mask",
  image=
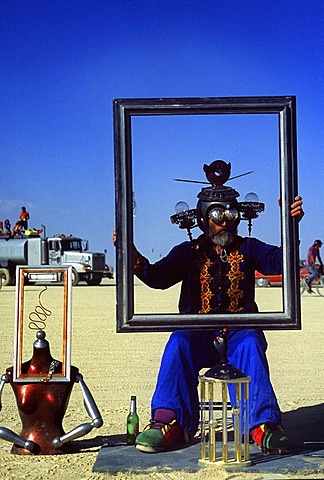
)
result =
(218, 215)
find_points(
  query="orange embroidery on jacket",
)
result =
(205, 279)
(235, 275)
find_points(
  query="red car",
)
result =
(267, 280)
(273, 280)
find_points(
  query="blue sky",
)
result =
(63, 62)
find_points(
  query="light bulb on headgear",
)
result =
(250, 208)
(184, 217)
(181, 207)
(251, 197)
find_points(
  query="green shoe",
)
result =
(271, 438)
(157, 437)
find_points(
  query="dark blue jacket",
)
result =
(208, 283)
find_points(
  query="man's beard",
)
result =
(223, 238)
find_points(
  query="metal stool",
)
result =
(214, 391)
(210, 390)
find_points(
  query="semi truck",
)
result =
(33, 248)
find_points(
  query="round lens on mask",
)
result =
(216, 215)
(231, 214)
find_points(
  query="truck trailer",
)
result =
(32, 249)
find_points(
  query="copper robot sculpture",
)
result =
(42, 406)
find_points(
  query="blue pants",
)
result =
(188, 351)
(312, 273)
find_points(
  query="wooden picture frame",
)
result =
(284, 108)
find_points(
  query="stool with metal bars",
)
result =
(215, 424)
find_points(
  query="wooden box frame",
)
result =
(62, 273)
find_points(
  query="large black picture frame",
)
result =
(126, 108)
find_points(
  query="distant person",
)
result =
(24, 217)
(7, 227)
(313, 254)
(18, 228)
(1, 228)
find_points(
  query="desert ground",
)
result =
(118, 365)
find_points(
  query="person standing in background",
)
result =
(24, 217)
(313, 254)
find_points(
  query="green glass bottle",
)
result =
(132, 422)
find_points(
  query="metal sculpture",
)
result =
(42, 405)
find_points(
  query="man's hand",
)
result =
(136, 255)
(296, 208)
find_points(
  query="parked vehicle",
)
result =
(108, 272)
(267, 280)
(31, 249)
(275, 280)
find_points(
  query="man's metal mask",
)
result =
(218, 202)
